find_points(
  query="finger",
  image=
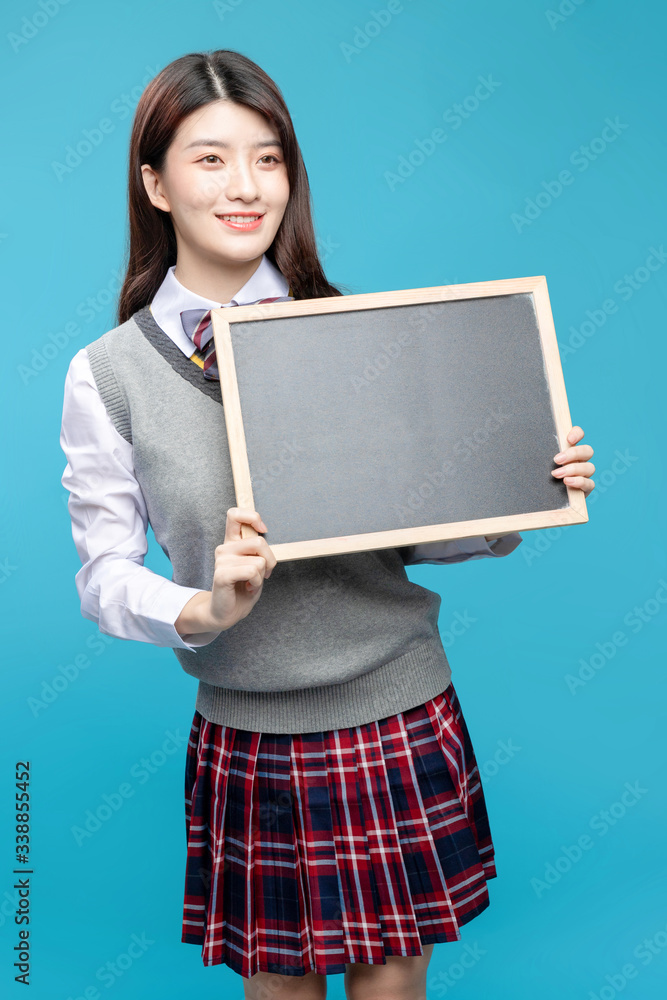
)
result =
(245, 547)
(255, 546)
(242, 515)
(574, 469)
(247, 560)
(241, 572)
(579, 483)
(573, 435)
(582, 451)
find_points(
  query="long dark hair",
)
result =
(181, 87)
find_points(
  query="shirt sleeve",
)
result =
(109, 523)
(459, 550)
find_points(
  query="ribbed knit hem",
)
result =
(404, 683)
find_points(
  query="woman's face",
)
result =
(225, 159)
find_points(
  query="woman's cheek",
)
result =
(202, 192)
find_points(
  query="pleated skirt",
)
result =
(309, 851)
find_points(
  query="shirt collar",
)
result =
(172, 298)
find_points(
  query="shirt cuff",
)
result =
(459, 549)
(503, 546)
(172, 601)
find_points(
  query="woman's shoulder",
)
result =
(126, 331)
(122, 348)
(97, 361)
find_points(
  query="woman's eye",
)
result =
(213, 157)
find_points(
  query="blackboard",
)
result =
(393, 418)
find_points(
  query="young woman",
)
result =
(335, 816)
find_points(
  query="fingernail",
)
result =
(558, 457)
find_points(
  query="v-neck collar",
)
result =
(165, 346)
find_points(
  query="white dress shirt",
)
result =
(109, 518)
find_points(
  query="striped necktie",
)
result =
(198, 327)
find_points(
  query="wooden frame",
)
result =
(222, 319)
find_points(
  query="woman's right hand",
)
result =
(241, 566)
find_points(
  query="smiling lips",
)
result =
(241, 220)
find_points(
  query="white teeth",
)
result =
(240, 218)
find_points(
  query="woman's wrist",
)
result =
(195, 616)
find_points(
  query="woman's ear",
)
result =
(154, 188)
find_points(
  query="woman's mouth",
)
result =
(241, 220)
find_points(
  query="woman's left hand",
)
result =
(575, 469)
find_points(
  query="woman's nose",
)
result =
(241, 184)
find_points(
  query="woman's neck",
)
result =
(215, 281)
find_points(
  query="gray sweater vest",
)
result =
(333, 641)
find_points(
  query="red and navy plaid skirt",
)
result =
(308, 851)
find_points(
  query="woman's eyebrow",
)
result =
(225, 145)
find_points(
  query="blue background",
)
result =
(538, 613)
